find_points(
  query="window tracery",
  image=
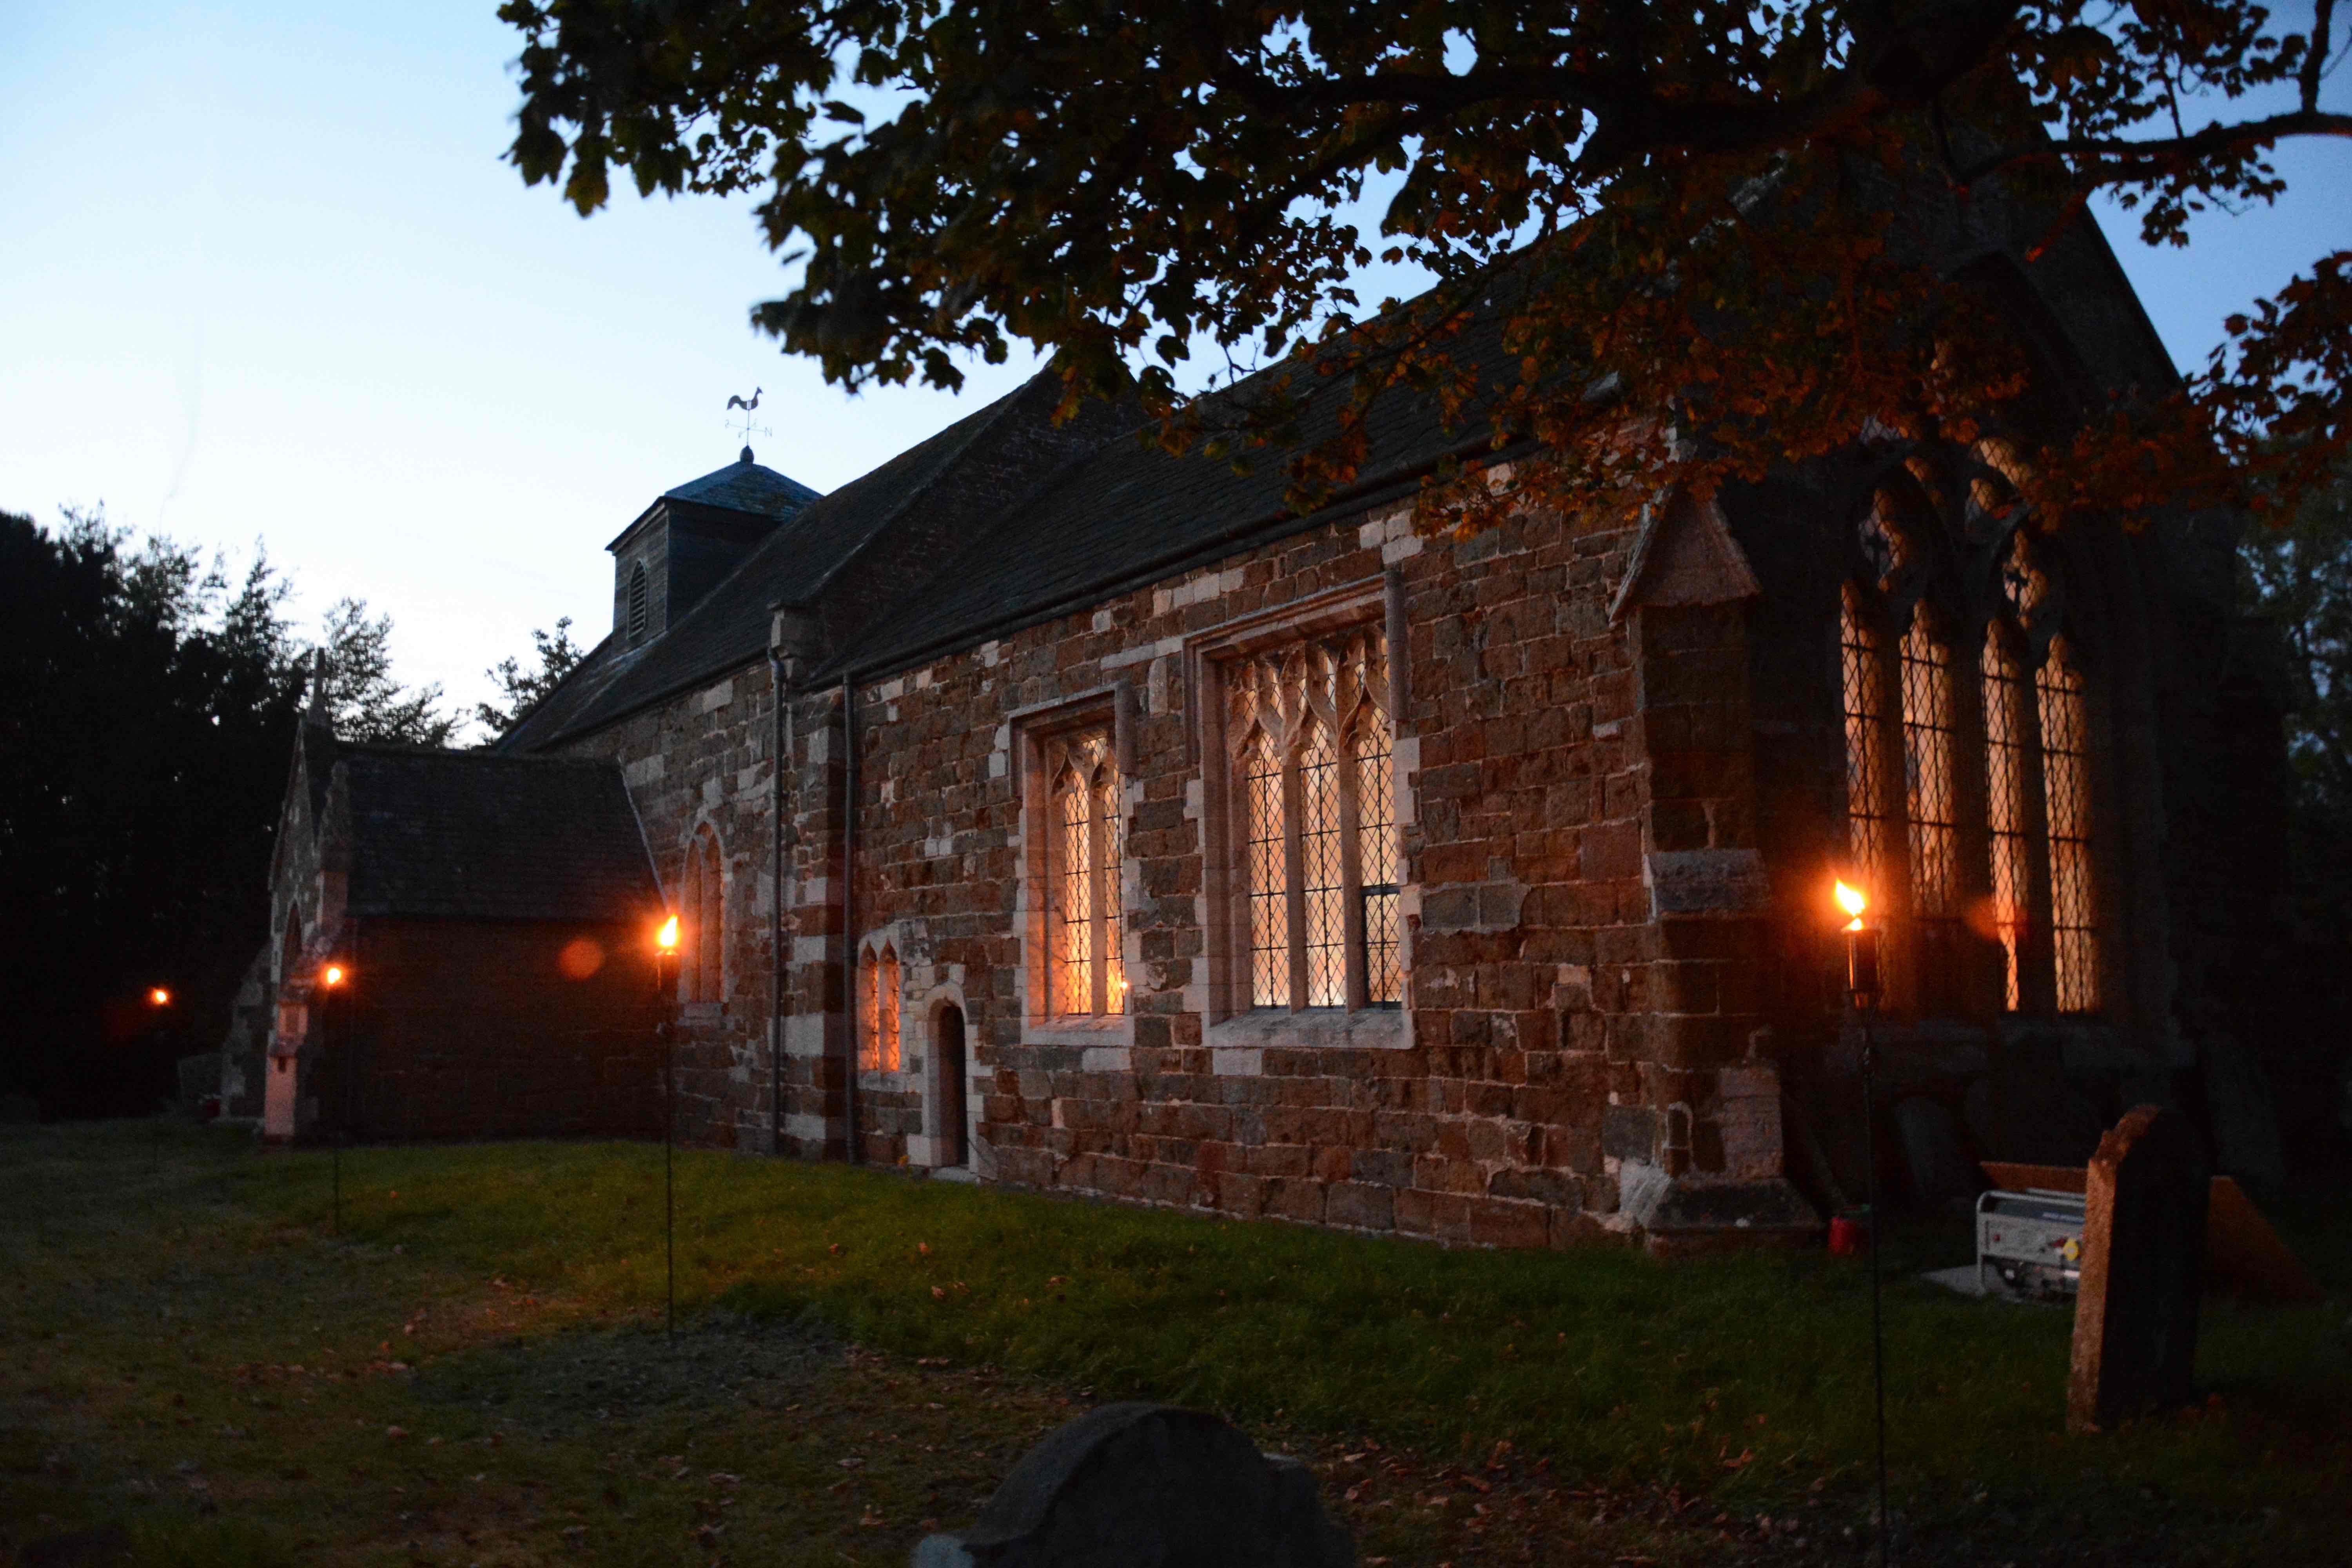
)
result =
(2022, 871)
(1311, 750)
(877, 1009)
(1087, 968)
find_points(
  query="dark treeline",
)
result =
(148, 708)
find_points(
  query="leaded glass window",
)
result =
(1867, 828)
(2010, 731)
(2067, 793)
(1314, 826)
(1376, 857)
(886, 1040)
(1914, 840)
(869, 1011)
(1087, 974)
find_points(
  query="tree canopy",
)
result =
(1678, 219)
(522, 689)
(146, 728)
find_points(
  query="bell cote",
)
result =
(689, 538)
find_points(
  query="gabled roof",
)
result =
(479, 836)
(1131, 513)
(728, 627)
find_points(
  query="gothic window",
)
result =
(1931, 816)
(2009, 728)
(1087, 974)
(1314, 826)
(2066, 792)
(2023, 873)
(877, 1009)
(1867, 827)
(640, 604)
(701, 969)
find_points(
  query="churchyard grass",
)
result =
(473, 1371)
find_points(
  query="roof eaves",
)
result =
(1274, 525)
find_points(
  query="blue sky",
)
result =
(265, 276)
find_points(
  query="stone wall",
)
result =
(477, 1028)
(1559, 1037)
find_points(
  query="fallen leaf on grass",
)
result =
(395, 1433)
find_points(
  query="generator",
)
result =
(2033, 1239)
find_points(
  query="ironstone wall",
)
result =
(1557, 1025)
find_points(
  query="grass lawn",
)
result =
(474, 1372)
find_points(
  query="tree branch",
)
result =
(2203, 143)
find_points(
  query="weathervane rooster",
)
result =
(747, 427)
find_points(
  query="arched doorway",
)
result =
(955, 1131)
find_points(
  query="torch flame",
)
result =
(334, 974)
(1852, 901)
(160, 997)
(668, 938)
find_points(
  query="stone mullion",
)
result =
(1352, 877)
(1098, 878)
(1293, 862)
(2037, 957)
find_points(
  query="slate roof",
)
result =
(1133, 513)
(745, 486)
(474, 834)
(728, 627)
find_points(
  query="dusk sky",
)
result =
(266, 276)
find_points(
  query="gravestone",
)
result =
(1941, 1170)
(2143, 1267)
(1148, 1486)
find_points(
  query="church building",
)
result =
(1042, 808)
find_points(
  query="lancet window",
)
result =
(1309, 742)
(1086, 970)
(877, 1009)
(2016, 862)
(701, 967)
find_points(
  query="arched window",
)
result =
(2031, 888)
(1314, 826)
(2011, 730)
(640, 604)
(2066, 795)
(869, 1010)
(877, 1010)
(1374, 799)
(1088, 968)
(710, 923)
(689, 976)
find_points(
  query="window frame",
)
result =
(1039, 735)
(2016, 976)
(1258, 651)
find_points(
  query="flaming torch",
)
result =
(1860, 948)
(1862, 987)
(330, 980)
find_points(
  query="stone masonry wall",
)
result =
(1531, 1070)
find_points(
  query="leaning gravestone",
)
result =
(2143, 1268)
(1148, 1486)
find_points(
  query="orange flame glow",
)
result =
(333, 974)
(666, 940)
(159, 998)
(1852, 900)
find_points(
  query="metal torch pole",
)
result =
(670, 1175)
(1877, 1317)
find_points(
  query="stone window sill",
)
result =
(1316, 1028)
(1086, 1030)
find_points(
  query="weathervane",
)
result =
(744, 428)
